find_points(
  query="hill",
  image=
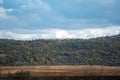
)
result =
(96, 51)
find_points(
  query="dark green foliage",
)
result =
(19, 76)
(27, 76)
(78, 78)
(97, 51)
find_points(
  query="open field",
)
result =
(36, 71)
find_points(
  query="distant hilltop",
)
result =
(94, 51)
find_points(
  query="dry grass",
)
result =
(36, 71)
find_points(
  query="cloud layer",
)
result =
(62, 14)
(49, 19)
(22, 34)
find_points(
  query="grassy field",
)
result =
(55, 72)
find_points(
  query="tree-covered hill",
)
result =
(97, 51)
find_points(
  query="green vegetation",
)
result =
(97, 51)
(19, 75)
(27, 76)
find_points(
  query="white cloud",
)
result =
(3, 13)
(22, 34)
(0, 35)
(62, 34)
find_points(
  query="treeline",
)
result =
(96, 51)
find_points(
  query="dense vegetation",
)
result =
(27, 76)
(97, 51)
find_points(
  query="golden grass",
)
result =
(62, 70)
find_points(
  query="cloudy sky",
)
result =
(36, 19)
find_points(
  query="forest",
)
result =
(95, 51)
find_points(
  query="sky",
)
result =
(49, 19)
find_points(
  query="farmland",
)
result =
(57, 71)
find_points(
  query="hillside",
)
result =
(96, 51)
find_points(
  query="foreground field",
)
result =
(37, 71)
